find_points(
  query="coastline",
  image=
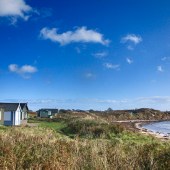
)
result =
(145, 131)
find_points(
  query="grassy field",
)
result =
(79, 142)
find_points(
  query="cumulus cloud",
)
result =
(129, 61)
(81, 34)
(14, 9)
(23, 70)
(136, 39)
(160, 69)
(112, 66)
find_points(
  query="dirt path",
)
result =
(32, 124)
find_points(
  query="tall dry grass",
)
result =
(39, 148)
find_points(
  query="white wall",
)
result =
(17, 116)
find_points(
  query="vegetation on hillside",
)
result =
(80, 141)
(141, 114)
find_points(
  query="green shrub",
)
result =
(92, 129)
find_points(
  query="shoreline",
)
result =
(138, 126)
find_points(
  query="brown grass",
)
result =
(40, 148)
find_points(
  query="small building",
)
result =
(12, 114)
(47, 113)
(24, 112)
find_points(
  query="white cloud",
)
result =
(108, 101)
(100, 54)
(81, 34)
(155, 102)
(112, 66)
(129, 61)
(129, 47)
(132, 38)
(78, 50)
(155, 99)
(15, 9)
(165, 58)
(160, 69)
(28, 69)
(23, 70)
(89, 75)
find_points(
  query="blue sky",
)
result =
(84, 54)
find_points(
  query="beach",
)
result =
(145, 131)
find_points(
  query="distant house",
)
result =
(12, 114)
(46, 113)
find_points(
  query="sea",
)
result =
(159, 127)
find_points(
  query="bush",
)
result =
(92, 129)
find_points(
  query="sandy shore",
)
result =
(148, 132)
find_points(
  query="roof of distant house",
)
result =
(52, 110)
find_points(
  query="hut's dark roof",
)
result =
(9, 106)
(23, 105)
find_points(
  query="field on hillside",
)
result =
(80, 141)
(141, 114)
